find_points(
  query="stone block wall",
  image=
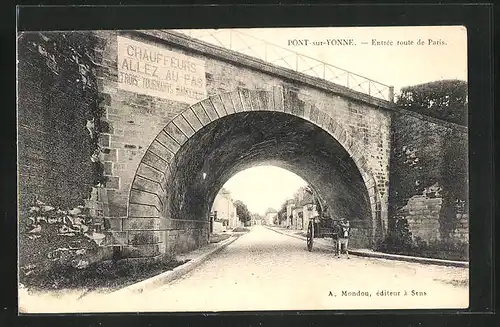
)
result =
(422, 212)
(461, 230)
(360, 236)
(61, 179)
(57, 99)
(429, 178)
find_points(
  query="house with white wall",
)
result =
(224, 209)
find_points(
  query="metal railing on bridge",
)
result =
(244, 43)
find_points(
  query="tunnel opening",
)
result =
(233, 143)
(258, 196)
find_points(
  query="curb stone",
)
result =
(389, 256)
(175, 273)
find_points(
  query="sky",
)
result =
(263, 187)
(397, 65)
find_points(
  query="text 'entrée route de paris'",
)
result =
(373, 42)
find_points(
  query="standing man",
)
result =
(343, 238)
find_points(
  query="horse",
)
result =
(342, 230)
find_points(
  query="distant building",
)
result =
(224, 210)
(256, 219)
(309, 210)
(300, 210)
(270, 216)
(297, 217)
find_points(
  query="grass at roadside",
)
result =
(105, 275)
(240, 229)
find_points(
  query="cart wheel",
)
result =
(310, 236)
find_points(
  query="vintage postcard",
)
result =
(243, 169)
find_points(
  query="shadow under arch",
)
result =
(203, 146)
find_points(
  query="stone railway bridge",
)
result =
(166, 151)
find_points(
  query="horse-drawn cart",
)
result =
(321, 227)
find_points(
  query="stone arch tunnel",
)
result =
(239, 141)
(199, 150)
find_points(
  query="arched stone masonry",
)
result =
(146, 208)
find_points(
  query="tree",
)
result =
(446, 99)
(270, 210)
(242, 212)
(282, 213)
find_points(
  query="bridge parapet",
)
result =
(244, 43)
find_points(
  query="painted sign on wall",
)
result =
(154, 71)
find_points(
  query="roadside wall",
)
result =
(57, 97)
(60, 174)
(428, 181)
